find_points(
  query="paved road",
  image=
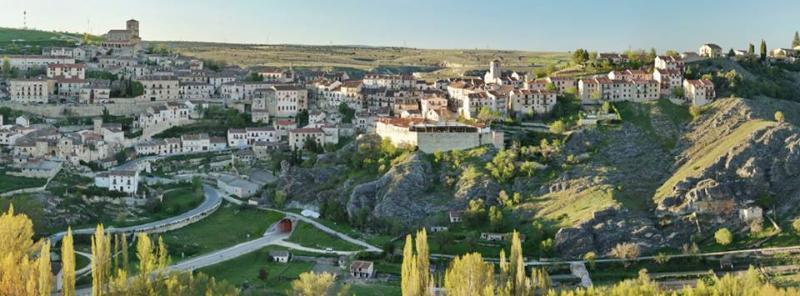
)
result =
(771, 250)
(210, 204)
(228, 253)
(345, 237)
(298, 247)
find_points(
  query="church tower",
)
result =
(495, 69)
(133, 27)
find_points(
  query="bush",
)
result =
(723, 236)
(695, 111)
(779, 116)
(796, 225)
(626, 252)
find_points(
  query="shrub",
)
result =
(626, 252)
(779, 116)
(723, 236)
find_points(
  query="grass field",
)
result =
(375, 290)
(245, 269)
(30, 206)
(226, 227)
(570, 207)
(11, 183)
(377, 240)
(438, 63)
(178, 201)
(307, 235)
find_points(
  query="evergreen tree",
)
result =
(67, 265)
(796, 40)
(763, 50)
(751, 50)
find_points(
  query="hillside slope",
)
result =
(732, 157)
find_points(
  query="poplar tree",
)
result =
(124, 250)
(763, 50)
(423, 262)
(469, 275)
(45, 273)
(408, 267)
(101, 260)
(517, 266)
(67, 265)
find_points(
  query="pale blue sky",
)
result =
(555, 25)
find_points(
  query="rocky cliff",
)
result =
(729, 160)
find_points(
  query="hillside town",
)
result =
(131, 118)
(434, 116)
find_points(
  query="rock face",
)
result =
(309, 185)
(764, 162)
(400, 194)
(612, 226)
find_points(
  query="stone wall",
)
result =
(127, 107)
(431, 142)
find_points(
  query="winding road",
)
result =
(210, 203)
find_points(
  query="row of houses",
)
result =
(666, 81)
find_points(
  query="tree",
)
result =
(415, 269)
(551, 87)
(6, 66)
(695, 111)
(626, 252)
(590, 258)
(517, 274)
(21, 272)
(502, 166)
(731, 53)
(763, 49)
(67, 264)
(487, 115)
(606, 107)
(558, 127)
(796, 225)
(312, 284)
(101, 261)
(45, 272)
(779, 116)
(408, 269)
(540, 281)
(796, 39)
(723, 236)
(678, 92)
(580, 56)
(495, 218)
(347, 113)
(263, 274)
(751, 50)
(661, 258)
(423, 262)
(469, 275)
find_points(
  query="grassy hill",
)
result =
(29, 41)
(439, 62)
